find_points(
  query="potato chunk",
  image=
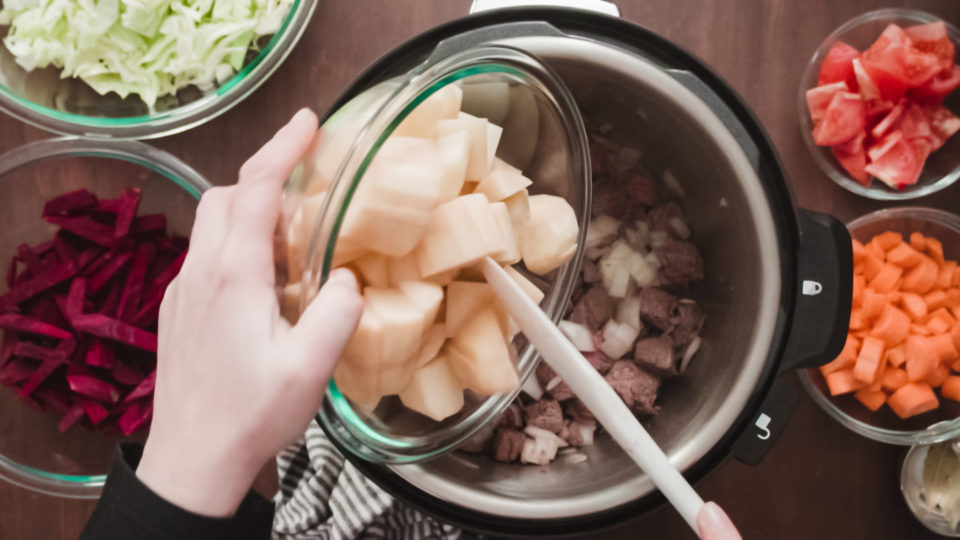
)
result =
(460, 233)
(464, 300)
(434, 391)
(481, 358)
(549, 238)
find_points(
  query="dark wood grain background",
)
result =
(820, 481)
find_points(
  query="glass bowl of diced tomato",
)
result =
(878, 106)
(897, 379)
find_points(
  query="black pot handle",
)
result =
(823, 294)
(818, 327)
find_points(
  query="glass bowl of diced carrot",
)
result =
(897, 379)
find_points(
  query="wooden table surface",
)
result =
(820, 481)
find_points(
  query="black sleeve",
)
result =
(128, 509)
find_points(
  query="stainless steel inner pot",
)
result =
(734, 228)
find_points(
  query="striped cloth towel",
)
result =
(324, 497)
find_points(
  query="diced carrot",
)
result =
(859, 285)
(869, 361)
(894, 296)
(956, 279)
(893, 378)
(859, 252)
(937, 375)
(843, 382)
(935, 249)
(888, 240)
(904, 256)
(937, 326)
(944, 315)
(886, 279)
(955, 336)
(877, 383)
(912, 399)
(955, 366)
(872, 399)
(952, 299)
(895, 356)
(917, 241)
(919, 279)
(919, 329)
(857, 321)
(872, 266)
(877, 250)
(846, 359)
(950, 388)
(892, 326)
(914, 305)
(935, 299)
(873, 304)
(947, 351)
(945, 275)
(921, 357)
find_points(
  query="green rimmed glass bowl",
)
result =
(70, 107)
(543, 135)
(33, 453)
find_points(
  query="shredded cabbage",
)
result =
(150, 48)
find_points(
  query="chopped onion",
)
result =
(680, 227)
(723, 202)
(618, 339)
(538, 451)
(531, 387)
(658, 239)
(670, 181)
(575, 458)
(615, 269)
(688, 353)
(579, 335)
(554, 382)
(641, 271)
(628, 311)
(626, 159)
(643, 230)
(540, 433)
(652, 260)
(602, 229)
(595, 253)
(586, 433)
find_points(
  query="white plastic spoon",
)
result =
(595, 393)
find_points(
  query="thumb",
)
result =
(713, 524)
(329, 321)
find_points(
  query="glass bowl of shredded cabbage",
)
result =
(138, 69)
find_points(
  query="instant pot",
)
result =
(777, 291)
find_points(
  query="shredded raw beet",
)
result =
(79, 313)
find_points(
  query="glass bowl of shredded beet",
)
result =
(91, 234)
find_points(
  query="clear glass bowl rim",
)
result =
(179, 119)
(822, 156)
(159, 161)
(336, 415)
(938, 432)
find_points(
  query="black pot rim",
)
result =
(632, 38)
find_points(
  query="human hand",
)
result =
(235, 381)
(714, 524)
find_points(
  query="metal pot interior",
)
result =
(733, 227)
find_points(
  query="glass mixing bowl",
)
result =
(70, 107)
(33, 452)
(543, 135)
(942, 167)
(885, 426)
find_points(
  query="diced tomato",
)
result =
(888, 121)
(854, 163)
(939, 87)
(868, 90)
(933, 38)
(913, 123)
(895, 65)
(854, 145)
(819, 98)
(837, 66)
(894, 161)
(943, 123)
(921, 147)
(844, 118)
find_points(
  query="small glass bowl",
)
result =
(70, 107)
(543, 135)
(33, 452)
(911, 486)
(942, 167)
(883, 425)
